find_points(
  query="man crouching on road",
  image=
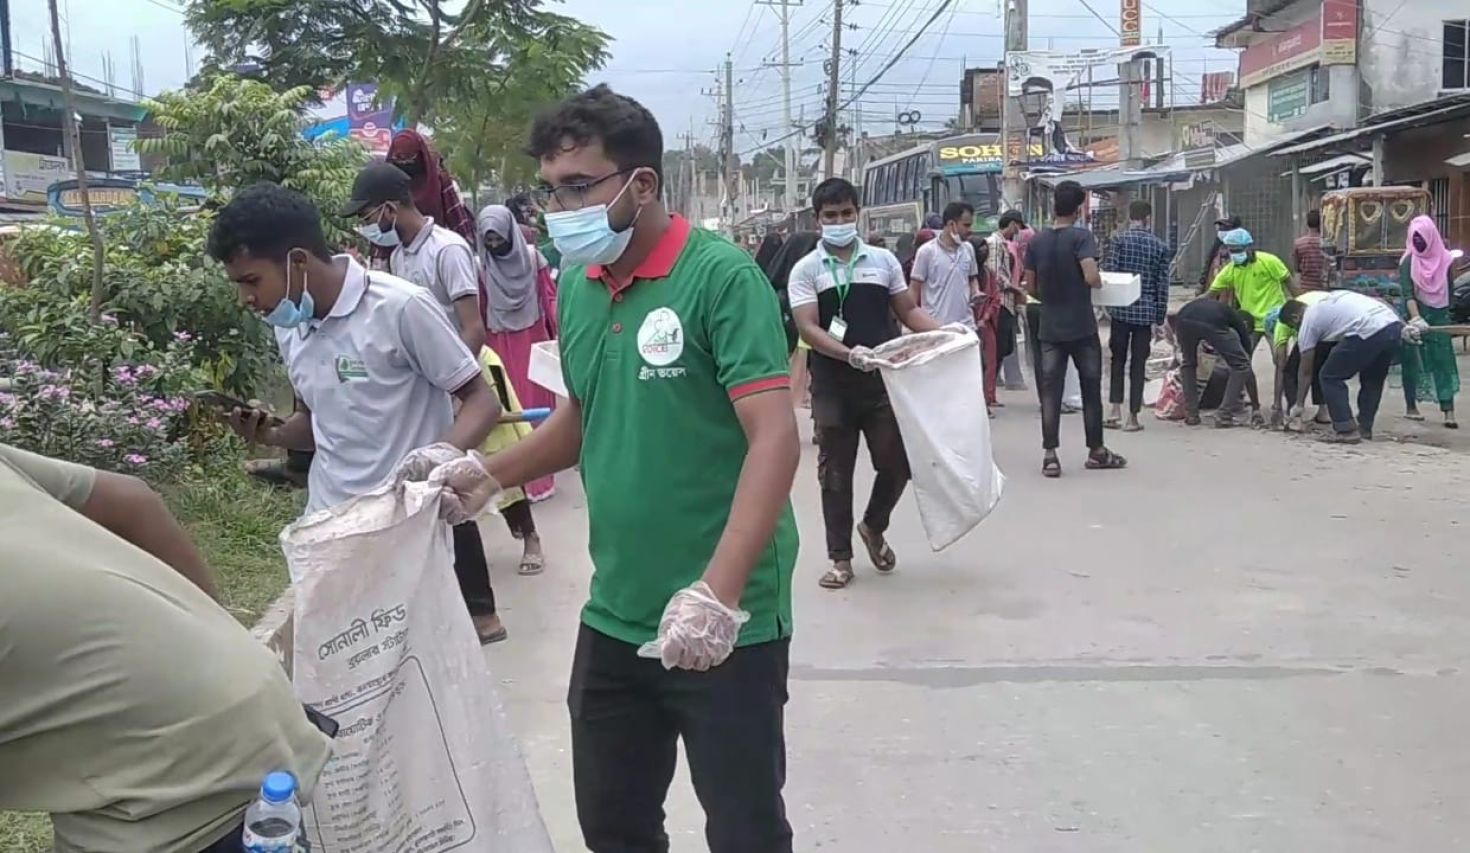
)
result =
(372, 358)
(680, 414)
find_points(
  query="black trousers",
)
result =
(1033, 348)
(1086, 353)
(1368, 359)
(519, 519)
(628, 714)
(1290, 381)
(472, 570)
(1130, 345)
(842, 415)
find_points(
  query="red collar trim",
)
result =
(659, 263)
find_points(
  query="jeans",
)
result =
(1228, 346)
(1033, 348)
(628, 714)
(472, 570)
(841, 416)
(1125, 341)
(1290, 374)
(1368, 359)
(1086, 354)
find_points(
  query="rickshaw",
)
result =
(1364, 233)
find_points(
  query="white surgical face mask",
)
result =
(586, 236)
(843, 234)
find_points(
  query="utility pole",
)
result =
(834, 72)
(1015, 136)
(729, 162)
(74, 143)
(790, 142)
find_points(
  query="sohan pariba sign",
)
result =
(1130, 20)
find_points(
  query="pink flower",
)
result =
(154, 423)
(145, 371)
(7, 423)
(183, 337)
(136, 459)
(124, 376)
(105, 443)
(134, 420)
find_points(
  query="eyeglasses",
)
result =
(571, 196)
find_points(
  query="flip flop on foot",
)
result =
(884, 560)
(532, 564)
(837, 577)
(1051, 467)
(1105, 460)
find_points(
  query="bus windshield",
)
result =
(981, 191)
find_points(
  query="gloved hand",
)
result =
(467, 487)
(418, 464)
(697, 630)
(1413, 332)
(957, 328)
(863, 359)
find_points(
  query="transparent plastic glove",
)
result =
(696, 632)
(1413, 332)
(957, 328)
(468, 487)
(418, 464)
(863, 359)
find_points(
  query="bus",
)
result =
(898, 190)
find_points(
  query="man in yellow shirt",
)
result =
(1256, 282)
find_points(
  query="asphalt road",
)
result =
(1244, 642)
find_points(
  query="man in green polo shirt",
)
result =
(680, 416)
(1257, 283)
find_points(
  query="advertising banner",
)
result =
(1339, 32)
(120, 144)
(1130, 19)
(369, 121)
(28, 176)
(1294, 48)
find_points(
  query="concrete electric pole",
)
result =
(1014, 138)
(730, 162)
(789, 203)
(834, 71)
(70, 118)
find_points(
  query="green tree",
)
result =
(419, 51)
(236, 132)
(481, 129)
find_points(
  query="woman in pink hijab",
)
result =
(1425, 274)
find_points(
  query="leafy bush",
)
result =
(159, 283)
(130, 417)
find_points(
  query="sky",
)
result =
(665, 54)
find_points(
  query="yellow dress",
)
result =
(504, 435)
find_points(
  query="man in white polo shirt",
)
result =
(845, 298)
(371, 357)
(429, 255)
(1366, 335)
(946, 275)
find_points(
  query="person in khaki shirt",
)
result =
(135, 710)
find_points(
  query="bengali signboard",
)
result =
(1286, 51)
(369, 121)
(1287, 97)
(1339, 32)
(974, 154)
(122, 146)
(28, 176)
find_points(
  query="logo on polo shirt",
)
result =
(350, 369)
(661, 337)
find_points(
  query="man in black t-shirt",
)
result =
(1229, 333)
(1062, 271)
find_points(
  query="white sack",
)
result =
(424, 761)
(934, 381)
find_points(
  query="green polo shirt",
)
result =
(1259, 286)
(657, 363)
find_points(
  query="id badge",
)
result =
(837, 329)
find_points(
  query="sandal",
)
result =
(884, 560)
(837, 577)
(532, 564)
(1133, 427)
(1112, 423)
(1415, 415)
(1051, 467)
(1106, 460)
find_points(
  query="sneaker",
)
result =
(1335, 437)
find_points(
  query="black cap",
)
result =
(378, 182)
(1232, 222)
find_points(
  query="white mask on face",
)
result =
(842, 234)
(585, 236)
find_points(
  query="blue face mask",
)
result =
(384, 238)
(288, 314)
(1239, 258)
(839, 235)
(586, 236)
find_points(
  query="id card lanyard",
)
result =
(838, 327)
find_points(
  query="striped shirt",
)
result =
(1309, 261)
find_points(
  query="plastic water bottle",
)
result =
(273, 821)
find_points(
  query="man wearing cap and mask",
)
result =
(1256, 282)
(427, 254)
(1215, 259)
(679, 412)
